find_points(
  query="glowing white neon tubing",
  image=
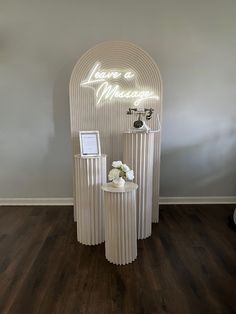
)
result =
(96, 76)
(107, 91)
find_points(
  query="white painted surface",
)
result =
(42, 201)
(115, 58)
(120, 224)
(128, 187)
(138, 151)
(198, 200)
(90, 174)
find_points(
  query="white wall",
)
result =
(194, 44)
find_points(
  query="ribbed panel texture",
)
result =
(110, 118)
(90, 174)
(156, 177)
(120, 227)
(138, 154)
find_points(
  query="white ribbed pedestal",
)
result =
(138, 155)
(120, 223)
(90, 174)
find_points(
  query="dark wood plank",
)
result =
(188, 265)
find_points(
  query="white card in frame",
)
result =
(89, 143)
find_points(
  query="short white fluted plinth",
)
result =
(90, 174)
(120, 223)
(138, 155)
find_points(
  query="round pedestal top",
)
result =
(85, 157)
(128, 187)
(137, 131)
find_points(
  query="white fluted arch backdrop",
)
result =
(109, 117)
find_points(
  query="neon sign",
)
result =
(101, 81)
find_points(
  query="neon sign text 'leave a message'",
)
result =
(101, 81)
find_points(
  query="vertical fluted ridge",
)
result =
(90, 174)
(120, 227)
(138, 154)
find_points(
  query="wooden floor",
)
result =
(187, 266)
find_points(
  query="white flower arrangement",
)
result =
(120, 170)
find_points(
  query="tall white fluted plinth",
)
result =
(90, 174)
(138, 155)
(120, 223)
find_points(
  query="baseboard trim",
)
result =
(56, 201)
(68, 201)
(198, 200)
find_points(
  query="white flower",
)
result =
(130, 175)
(117, 164)
(125, 168)
(114, 174)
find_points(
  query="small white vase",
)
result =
(118, 183)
